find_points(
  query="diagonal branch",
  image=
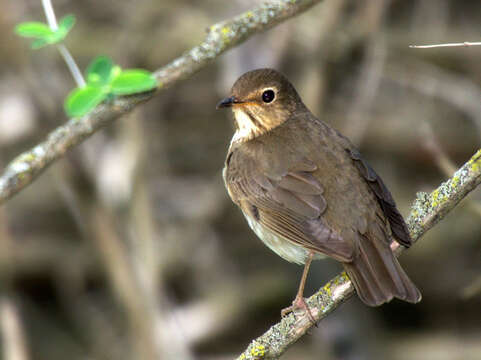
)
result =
(222, 36)
(426, 211)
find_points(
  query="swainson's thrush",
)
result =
(306, 191)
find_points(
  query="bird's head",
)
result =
(261, 100)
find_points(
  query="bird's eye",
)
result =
(268, 96)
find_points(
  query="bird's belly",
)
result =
(284, 248)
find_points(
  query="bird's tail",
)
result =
(377, 275)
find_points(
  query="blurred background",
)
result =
(129, 247)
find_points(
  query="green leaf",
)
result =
(133, 81)
(99, 71)
(33, 29)
(64, 27)
(81, 100)
(43, 33)
(37, 44)
(116, 71)
(66, 23)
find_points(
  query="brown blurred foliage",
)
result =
(129, 248)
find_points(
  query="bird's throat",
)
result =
(247, 126)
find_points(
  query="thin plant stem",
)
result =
(49, 13)
(72, 65)
(68, 58)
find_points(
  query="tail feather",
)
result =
(377, 275)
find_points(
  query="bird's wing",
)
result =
(384, 197)
(290, 204)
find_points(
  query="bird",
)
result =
(307, 192)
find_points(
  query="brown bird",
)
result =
(306, 191)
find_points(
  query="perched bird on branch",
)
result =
(307, 193)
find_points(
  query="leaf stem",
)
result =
(50, 15)
(69, 60)
(72, 65)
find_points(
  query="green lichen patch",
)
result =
(327, 289)
(419, 211)
(475, 162)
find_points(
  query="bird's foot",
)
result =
(299, 303)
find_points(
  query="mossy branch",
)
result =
(222, 36)
(426, 211)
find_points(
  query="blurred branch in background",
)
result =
(461, 92)
(370, 75)
(426, 212)
(13, 341)
(130, 260)
(221, 37)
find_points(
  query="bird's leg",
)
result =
(299, 302)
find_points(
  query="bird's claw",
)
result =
(299, 303)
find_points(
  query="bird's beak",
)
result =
(227, 102)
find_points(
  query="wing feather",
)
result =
(289, 203)
(384, 197)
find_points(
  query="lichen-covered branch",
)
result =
(221, 37)
(426, 211)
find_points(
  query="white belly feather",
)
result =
(284, 248)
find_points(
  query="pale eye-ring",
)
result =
(268, 95)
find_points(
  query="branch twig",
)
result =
(463, 44)
(426, 211)
(221, 37)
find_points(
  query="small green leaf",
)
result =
(81, 100)
(99, 71)
(37, 44)
(133, 81)
(33, 29)
(116, 71)
(64, 27)
(66, 23)
(43, 33)
(56, 37)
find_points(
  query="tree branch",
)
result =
(426, 211)
(222, 36)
